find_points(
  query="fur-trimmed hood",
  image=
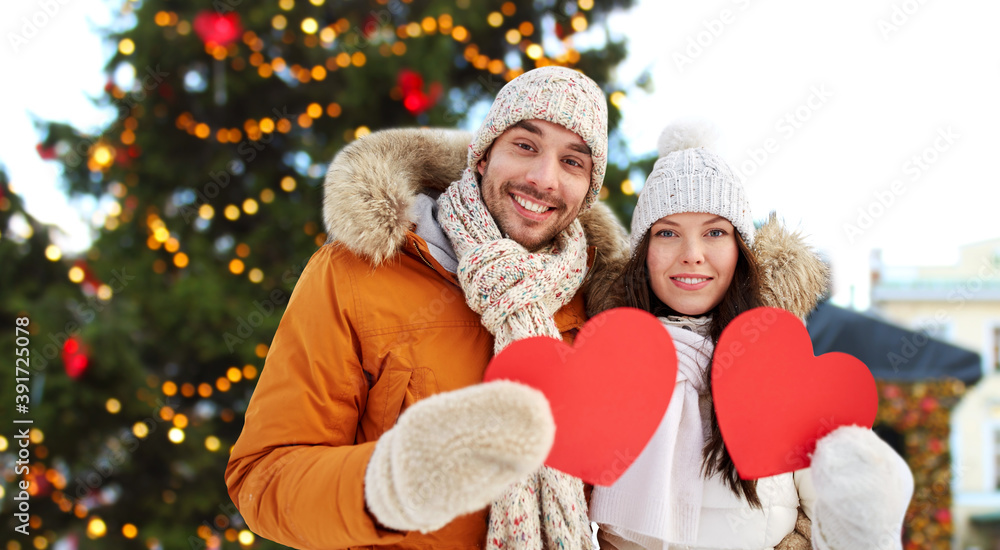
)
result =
(372, 183)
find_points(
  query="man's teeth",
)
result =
(691, 280)
(528, 205)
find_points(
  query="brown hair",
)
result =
(743, 294)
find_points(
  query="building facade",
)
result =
(959, 304)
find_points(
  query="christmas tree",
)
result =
(142, 352)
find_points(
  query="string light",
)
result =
(176, 435)
(126, 46)
(617, 98)
(53, 253)
(250, 206)
(494, 19)
(96, 528)
(140, 430)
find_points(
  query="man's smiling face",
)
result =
(534, 181)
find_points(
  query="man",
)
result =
(370, 425)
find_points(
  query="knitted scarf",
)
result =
(516, 292)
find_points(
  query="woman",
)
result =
(697, 262)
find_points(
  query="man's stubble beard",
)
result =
(495, 197)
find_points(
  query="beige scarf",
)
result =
(516, 293)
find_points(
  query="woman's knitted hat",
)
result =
(688, 177)
(553, 94)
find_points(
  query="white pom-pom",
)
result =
(687, 134)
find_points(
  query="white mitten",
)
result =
(863, 488)
(453, 453)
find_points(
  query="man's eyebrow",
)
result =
(529, 127)
(581, 148)
(534, 129)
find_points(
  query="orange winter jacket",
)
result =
(373, 325)
(354, 349)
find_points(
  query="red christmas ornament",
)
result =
(943, 516)
(370, 26)
(166, 91)
(928, 404)
(410, 81)
(47, 153)
(122, 157)
(74, 357)
(221, 30)
(415, 99)
(90, 281)
(416, 102)
(560, 31)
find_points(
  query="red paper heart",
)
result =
(608, 392)
(774, 399)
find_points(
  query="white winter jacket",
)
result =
(636, 507)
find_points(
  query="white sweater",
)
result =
(636, 510)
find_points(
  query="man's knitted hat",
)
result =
(553, 94)
(688, 177)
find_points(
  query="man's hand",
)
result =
(863, 488)
(455, 452)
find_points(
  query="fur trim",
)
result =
(607, 234)
(371, 185)
(801, 537)
(792, 276)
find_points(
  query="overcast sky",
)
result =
(864, 124)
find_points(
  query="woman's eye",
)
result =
(665, 233)
(717, 233)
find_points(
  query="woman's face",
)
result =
(691, 261)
